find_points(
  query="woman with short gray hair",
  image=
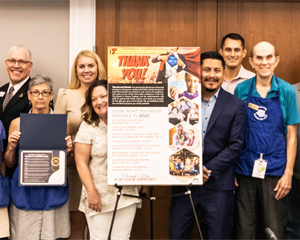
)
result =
(41, 79)
(36, 212)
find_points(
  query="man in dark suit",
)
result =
(223, 120)
(170, 64)
(13, 95)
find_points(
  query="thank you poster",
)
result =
(154, 116)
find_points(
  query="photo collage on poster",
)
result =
(184, 138)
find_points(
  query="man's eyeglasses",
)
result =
(37, 94)
(14, 61)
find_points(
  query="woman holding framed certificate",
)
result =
(37, 212)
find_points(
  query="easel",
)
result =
(116, 207)
(189, 193)
(115, 210)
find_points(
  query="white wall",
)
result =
(43, 27)
(82, 26)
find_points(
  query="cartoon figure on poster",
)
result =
(170, 64)
(129, 65)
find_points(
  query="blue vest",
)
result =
(37, 198)
(264, 134)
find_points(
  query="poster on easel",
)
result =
(154, 116)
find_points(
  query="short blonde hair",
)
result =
(75, 82)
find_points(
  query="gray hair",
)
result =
(41, 79)
(23, 48)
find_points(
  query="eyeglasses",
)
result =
(20, 62)
(37, 94)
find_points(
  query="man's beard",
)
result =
(209, 89)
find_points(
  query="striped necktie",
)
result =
(8, 96)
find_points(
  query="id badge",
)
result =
(259, 168)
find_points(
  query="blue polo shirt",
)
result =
(288, 98)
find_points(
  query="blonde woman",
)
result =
(87, 67)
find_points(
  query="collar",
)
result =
(216, 95)
(242, 73)
(18, 85)
(193, 95)
(51, 111)
(274, 85)
(175, 54)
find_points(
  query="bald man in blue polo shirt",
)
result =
(265, 168)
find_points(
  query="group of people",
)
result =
(188, 167)
(61, 212)
(185, 111)
(182, 138)
(249, 133)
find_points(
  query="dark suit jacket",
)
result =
(224, 140)
(161, 74)
(18, 104)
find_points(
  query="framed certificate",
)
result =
(42, 152)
